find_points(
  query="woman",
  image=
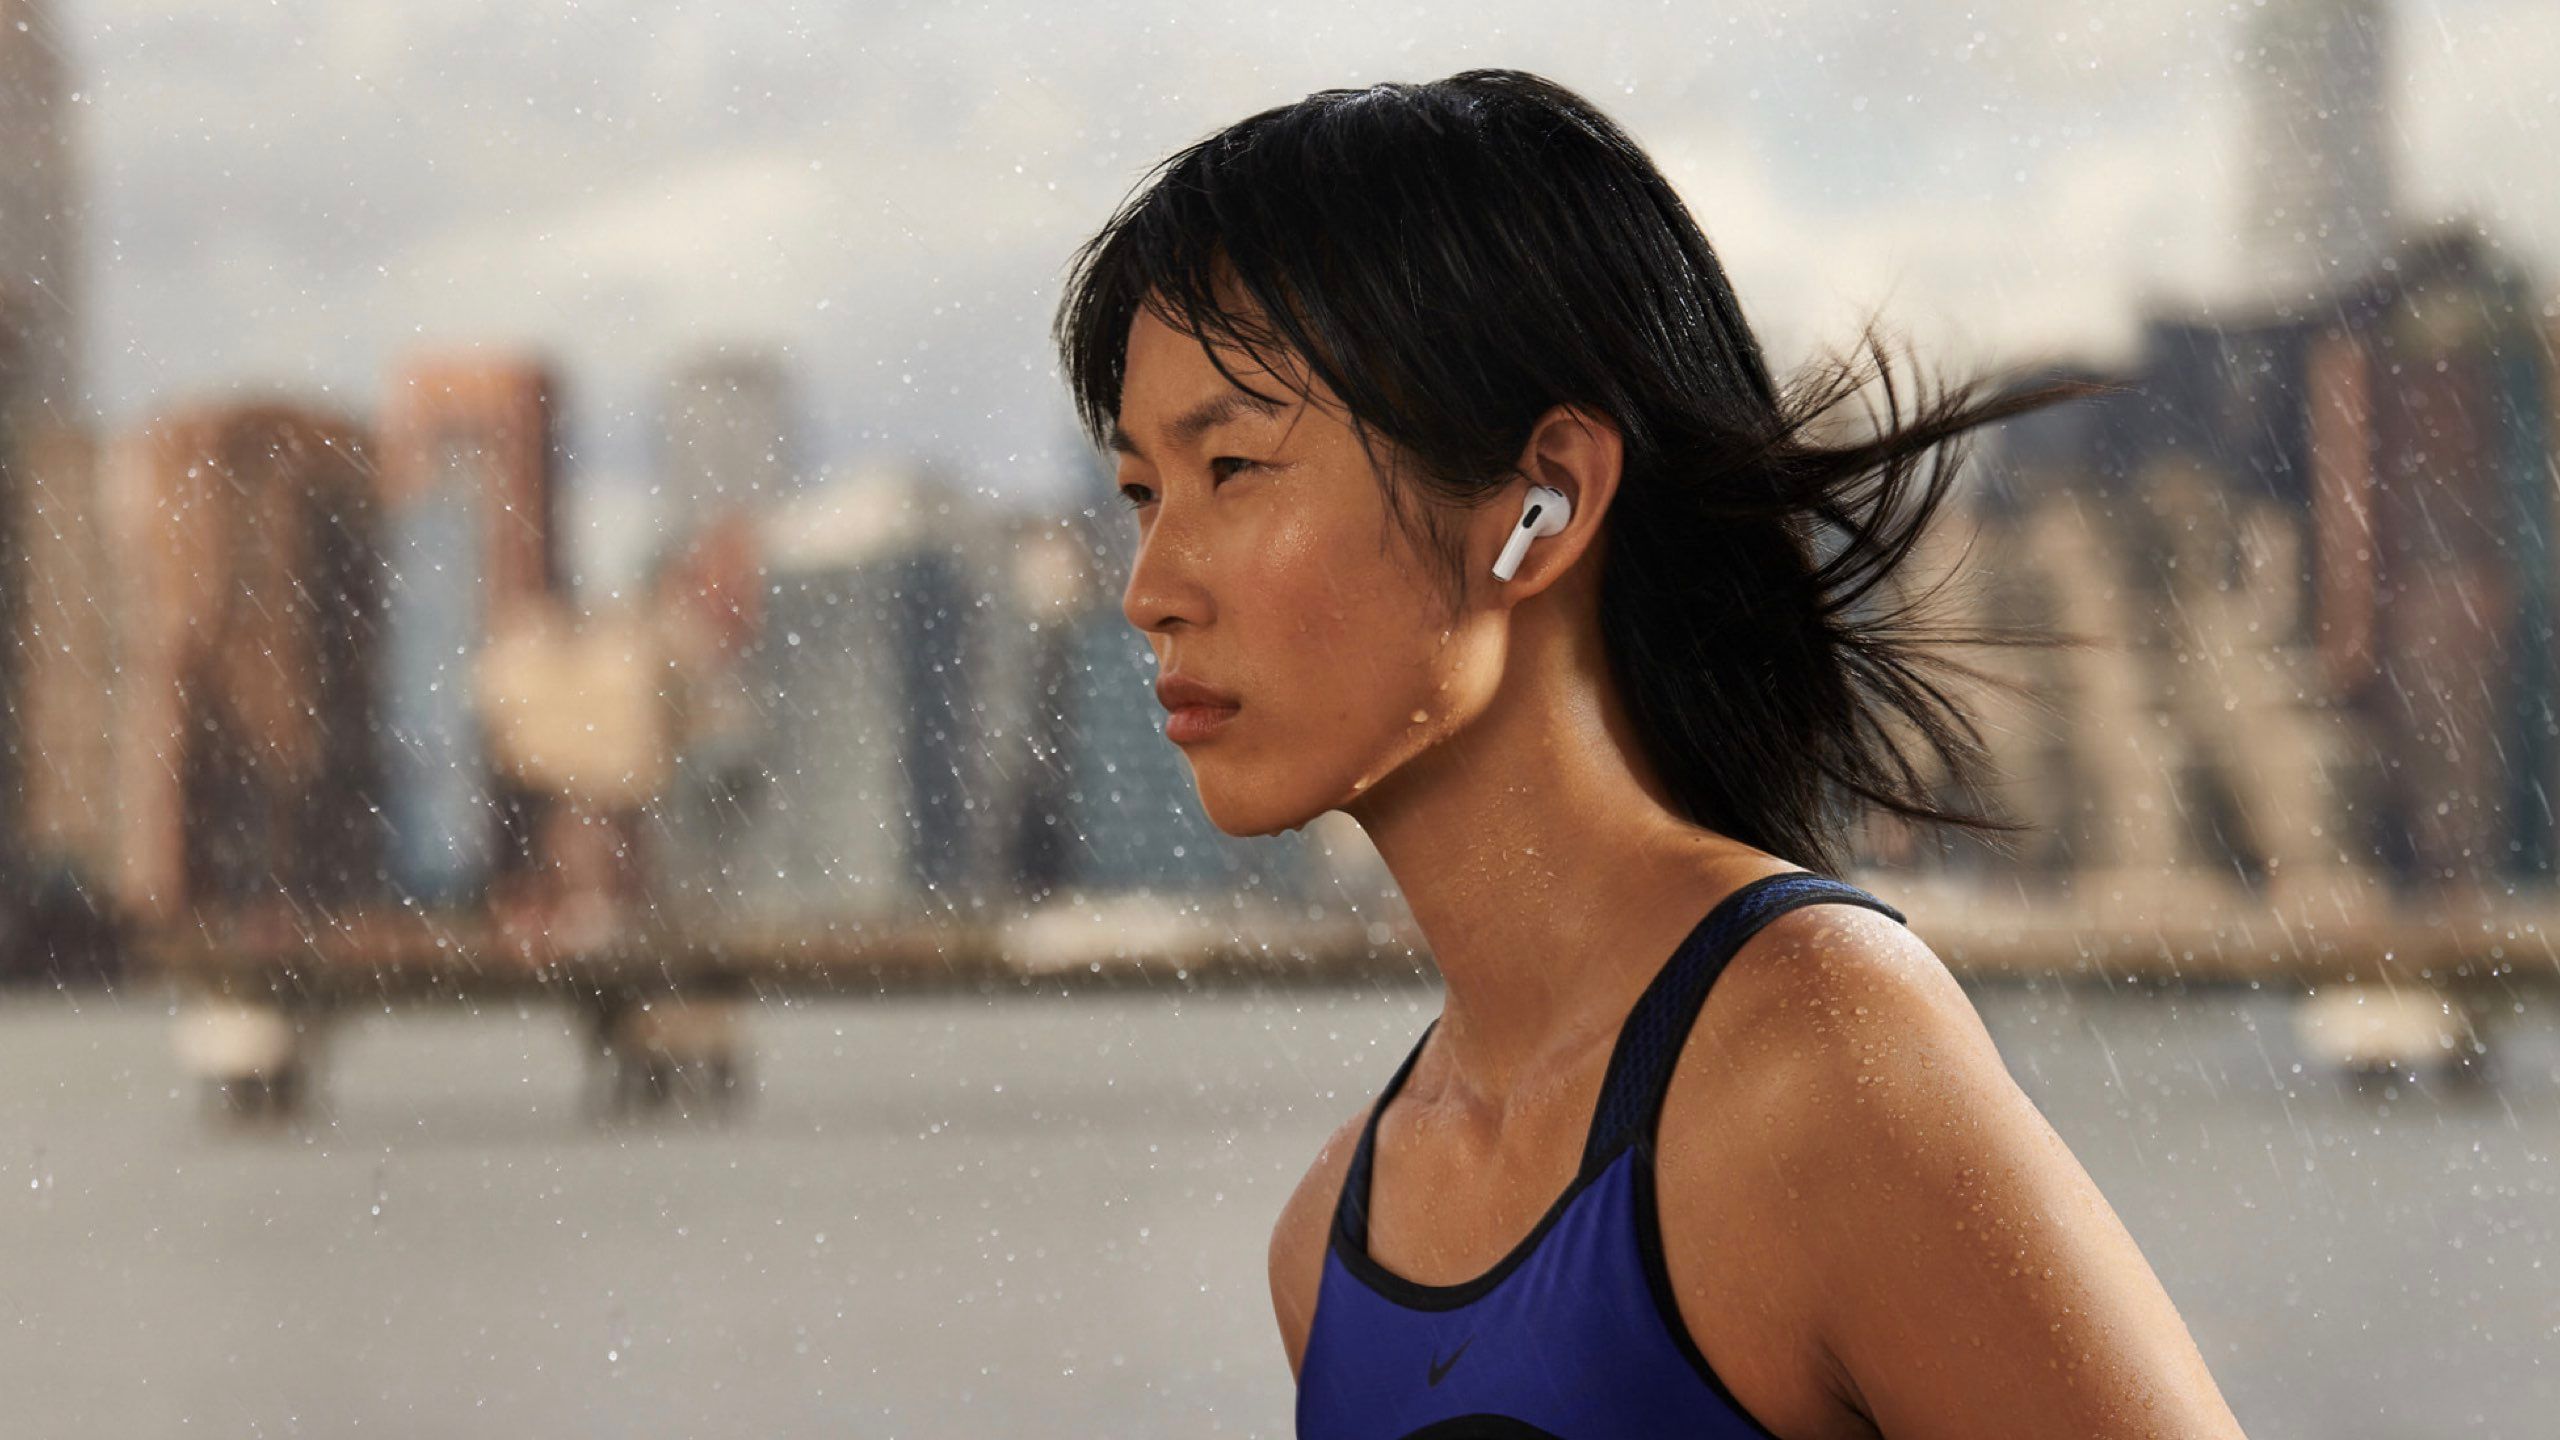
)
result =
(1333, 348)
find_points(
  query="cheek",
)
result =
(1344, 637)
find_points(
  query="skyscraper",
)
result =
(2318, 146)
(40, 281)
(882, 675)
(249, 600)
(470, 495)
(57, 669)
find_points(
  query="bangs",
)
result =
(1167, 252)
(1320, 238)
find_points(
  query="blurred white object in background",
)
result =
(2367, 1030)
(252, 1059)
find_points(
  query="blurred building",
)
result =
(246, 768)
(59, 670)
(42, 295)
(2190, 736)
(2313, 557)
(2431, 460)
(2318, 153)
(57, 832)
(1050, 570)
(2308, 539)
(883, 672)
(469, 497)
(729, 442)
(728, 455)
(706, 599)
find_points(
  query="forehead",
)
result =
(1173, 394)
(1163, 360)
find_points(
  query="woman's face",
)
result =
(1268, 568)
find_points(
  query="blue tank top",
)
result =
(1574, 1335)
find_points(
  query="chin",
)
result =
(1244, 815)
(1245, 801)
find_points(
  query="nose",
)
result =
(1166, 585)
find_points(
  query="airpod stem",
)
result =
(1541, 497)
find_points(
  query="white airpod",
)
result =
(1542, 513)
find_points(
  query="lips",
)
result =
(1193, 723)
(1176, 692)
(1198, 711)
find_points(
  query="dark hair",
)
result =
(1453, 259)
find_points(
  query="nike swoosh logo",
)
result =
(1439, 1370)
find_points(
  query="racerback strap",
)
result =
(1650, 1042)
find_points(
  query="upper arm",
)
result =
(1969, 1278)
(1298, 1239)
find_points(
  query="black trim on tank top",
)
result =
(1666, 1304)
(1644, 1122)
(1415, 1295)
(1611, 1128)
(1351, 1205)
(1657, 1265)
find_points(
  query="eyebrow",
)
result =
(1201, 419)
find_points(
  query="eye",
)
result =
(1138, 496)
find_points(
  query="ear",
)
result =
(1574, 449)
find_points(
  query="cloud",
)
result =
(300, 192)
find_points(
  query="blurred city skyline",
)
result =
(885, 660)
(285, 200)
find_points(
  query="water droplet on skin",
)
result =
(1419, 716)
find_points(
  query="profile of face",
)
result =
(1269, 567)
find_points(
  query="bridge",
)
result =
(2387, 984)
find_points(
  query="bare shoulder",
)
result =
(1781, 986)
(1731, 1149)
(1299, 1237)
(1801, 1014)
(1946, 1265)
(1825, 1001)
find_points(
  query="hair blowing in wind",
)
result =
(1453, 259)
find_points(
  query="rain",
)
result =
(588, 844)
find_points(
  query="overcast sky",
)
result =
(287, 195)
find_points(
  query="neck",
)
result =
(1547, 868)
